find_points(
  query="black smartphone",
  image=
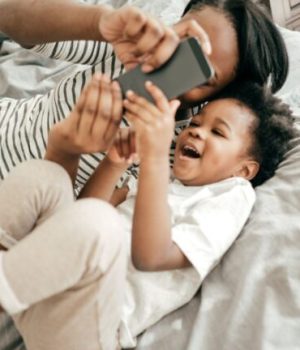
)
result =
(187, 68)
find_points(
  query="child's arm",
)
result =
(152, 245)
(91, 126)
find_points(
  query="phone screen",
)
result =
(186, 69)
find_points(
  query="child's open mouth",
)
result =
(190, 152)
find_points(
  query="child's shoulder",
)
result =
(237, 186)
(231, 182)
(234, 189)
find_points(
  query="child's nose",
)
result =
(198, 132)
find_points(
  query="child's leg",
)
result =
(32, 192)
(70, 273)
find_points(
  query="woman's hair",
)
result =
(272, 129)
(262, 52)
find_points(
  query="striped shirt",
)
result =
(25, 123)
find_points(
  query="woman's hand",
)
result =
(140, 38)
(135, 34)
(94, 121)
(90, 127)
(186, 28)
(153, 123)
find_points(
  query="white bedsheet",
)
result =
(250, 301)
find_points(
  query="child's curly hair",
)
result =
(272, 130)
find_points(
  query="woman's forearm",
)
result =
(68, 162)
(31, 22)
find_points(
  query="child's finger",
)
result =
(134, 158)
(118, 144)
(142, 102)
(138, 112)
(125, 143)
(139, 106)
(132, 141)
(158, 96)
(134, 120)
(116, 112)
(132, 155)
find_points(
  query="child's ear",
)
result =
(248, 169)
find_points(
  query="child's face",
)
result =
(215, 145)
(224, 56)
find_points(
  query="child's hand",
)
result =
(93, 123)
(123, 151)
(153, 124)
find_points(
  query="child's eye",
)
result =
(218, 132)
(193, 125)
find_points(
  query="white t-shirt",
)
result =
(205, 222)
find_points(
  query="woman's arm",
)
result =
(78, 51)
(31, 22)
(131, 32)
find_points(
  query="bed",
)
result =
(251, 300)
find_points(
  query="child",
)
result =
(65, 281)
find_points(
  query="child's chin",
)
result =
(178, 173)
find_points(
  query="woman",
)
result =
(241, 45)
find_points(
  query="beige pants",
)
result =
(69, 265)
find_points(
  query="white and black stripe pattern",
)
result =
(82, 52)
(24, 124)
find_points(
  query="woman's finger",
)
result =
(135, 21)
(116, 111)
(190, 28)
(150, 37)
(104, 111)
(90, 107)
(162, 51)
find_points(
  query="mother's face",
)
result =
(224, 57)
